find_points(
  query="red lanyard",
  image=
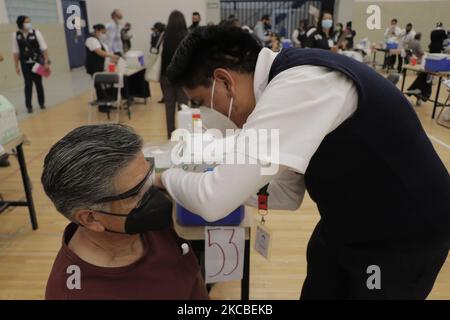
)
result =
(263, 206)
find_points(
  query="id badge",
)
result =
(263, 241)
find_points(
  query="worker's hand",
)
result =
(335, 49)
(18, 70)
(158, 181)
(47, 67)
(115, 59)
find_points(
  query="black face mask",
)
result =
(195, 23)
(153, 214)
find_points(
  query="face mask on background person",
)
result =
(102, 37)
(27, 26)
(327, 24)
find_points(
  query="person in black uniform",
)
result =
(96, 53)
(29, 48)
(381, 189)
(299, 35)
(438, 37)
(350, 35)
(422, 87)
(321, 37)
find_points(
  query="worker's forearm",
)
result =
(16, 60)
(103, 53)
(45, 54)
(213, 195)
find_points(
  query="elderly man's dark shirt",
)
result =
(163, 272)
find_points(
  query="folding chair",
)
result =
(107, 92)
(445, 108)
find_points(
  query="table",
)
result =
(440, 75)
(196, 235)
(386, 53)
(18, 145)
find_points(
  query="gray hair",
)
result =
(80, 168)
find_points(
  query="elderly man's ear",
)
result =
(87, 219)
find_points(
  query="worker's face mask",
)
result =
(152, 213)
(230, 108)
(327, 24)
(27, 26)
(102, 37)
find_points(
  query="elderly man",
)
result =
(114, 40)
(120, 243)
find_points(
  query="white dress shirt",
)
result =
(92, 43)
(305, 104)
(114, 40)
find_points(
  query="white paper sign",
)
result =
(224, 253)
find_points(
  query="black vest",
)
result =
(94, 63)
(29, 48)
(376, 178)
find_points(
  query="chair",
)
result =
(444, 108)
(107, 93)
(394, 77)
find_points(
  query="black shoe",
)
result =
(43, 107)
(4, 162)
(30, 110)
(161, 101)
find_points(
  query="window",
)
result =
(40, 11)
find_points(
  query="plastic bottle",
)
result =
(197, 125)
(185, 118)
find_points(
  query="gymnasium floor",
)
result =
(26, 256)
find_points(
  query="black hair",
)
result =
(208, 48)
(394, 20)
(175, 31)
(99, 27)
(409, 24)
(305, 23)
(319, 23)
(159, 26)
(349, 24)
(196, 13)
(265, 17)
(229, 22)
(20, 21)
(418, 36)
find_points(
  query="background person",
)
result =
(174, 95)
(126, 37)
(29, 47)
(120, 234)
(113, 39)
